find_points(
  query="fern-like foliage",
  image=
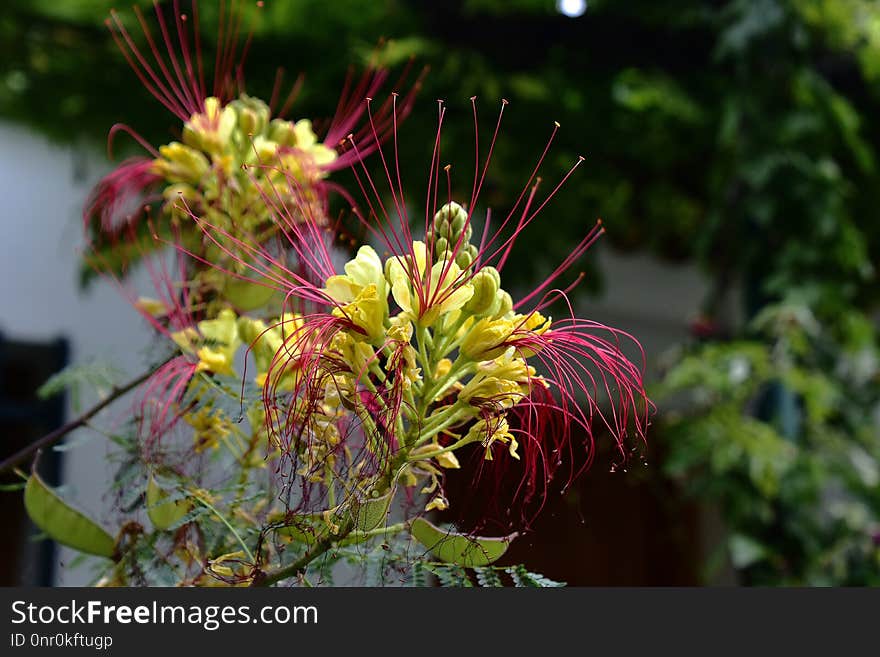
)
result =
(485, 576)
(522, 577)
(488, 577)
(74, 379)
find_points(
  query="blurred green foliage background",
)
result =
(738, 135)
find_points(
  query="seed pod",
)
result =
(467, 551)
(370, 513)
(164, 513)
(62, 522)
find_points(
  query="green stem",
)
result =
(424, 456)
(460, 368)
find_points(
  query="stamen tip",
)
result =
(556, 123)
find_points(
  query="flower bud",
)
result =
(283, 132)
(463, 259)
(486, 339)
(453, 213)
(180, 164)
(247, 121)
(459, 220)
(253, 114)
(486, 284)
(505, 304)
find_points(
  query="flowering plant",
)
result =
(304, 412)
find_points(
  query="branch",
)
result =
(299, 566)
(54, 436)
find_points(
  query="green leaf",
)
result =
(419, 575)
(453, 575)
(745, 551)
(100, 376)
(469, 551)
(488, 577)
(64, 523)
(524, 578)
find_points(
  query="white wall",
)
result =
(43, 187)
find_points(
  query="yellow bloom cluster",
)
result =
(415, 347)
(232, 156)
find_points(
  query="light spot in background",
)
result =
(571, 8)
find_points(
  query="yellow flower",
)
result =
(212, 129)
(210, 427)
(447, 460)
(364, 293)
(487, 338)
(440, 292)
(217, 565)
(504, 381)
(367, 312)
(439, 503)
(444, 365)
(222, 341)
(489, 431)
(151, 306)
(180, 164)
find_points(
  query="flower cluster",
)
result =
(357, 383)
(383, 375)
